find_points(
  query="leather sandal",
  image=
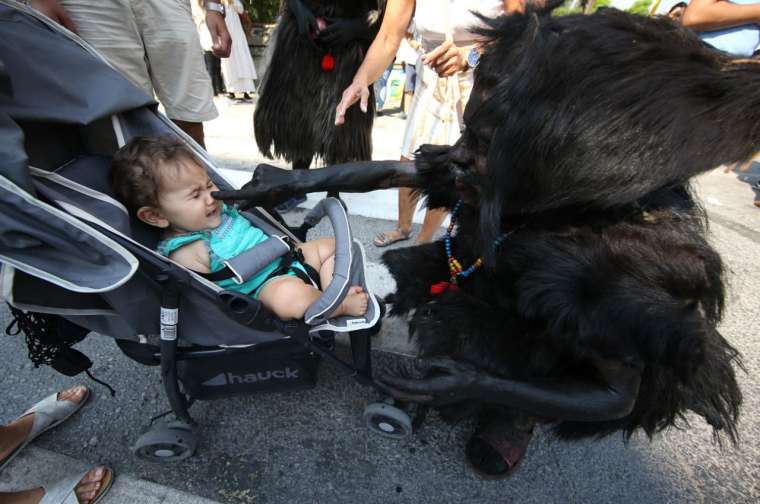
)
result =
(391, 237)
(64, 491)
(48, 413)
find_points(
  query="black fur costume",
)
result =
(600, 310)
(295, 113)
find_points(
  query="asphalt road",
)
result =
(312, 446)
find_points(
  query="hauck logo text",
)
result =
(239, 379)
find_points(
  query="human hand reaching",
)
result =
(53, 10)
(357, 91)
(446, 59)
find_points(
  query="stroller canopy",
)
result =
(50, 81)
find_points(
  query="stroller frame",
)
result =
(87, 298)
(176, 440)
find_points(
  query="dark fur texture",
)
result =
(596, 124)
(295, 114)
(624, 105)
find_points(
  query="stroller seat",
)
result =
(82, 188)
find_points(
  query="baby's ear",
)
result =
(152, 216)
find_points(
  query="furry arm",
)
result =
(271, 185)
(448, 381)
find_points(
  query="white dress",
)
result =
(237, 70)
(435, 114)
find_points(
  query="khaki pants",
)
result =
(154, 43)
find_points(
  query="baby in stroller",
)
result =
(161, 182)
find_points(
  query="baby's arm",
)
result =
(194, 255)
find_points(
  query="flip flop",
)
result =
(48, 413)
(385, 239)
(500, 439)
(63, 491)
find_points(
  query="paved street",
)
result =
(312, 446)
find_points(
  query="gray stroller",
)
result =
(73, 261)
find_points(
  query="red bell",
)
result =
(328, 63)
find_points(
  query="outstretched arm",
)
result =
(398, 14)
(707, 15)
(271, 185)
(569, 398)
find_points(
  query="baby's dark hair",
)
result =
(136, 169)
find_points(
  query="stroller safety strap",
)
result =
(253, 260)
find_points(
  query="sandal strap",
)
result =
(62, 491)
(384, 238)
(50, 411)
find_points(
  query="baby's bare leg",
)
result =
(320, 255)
(288, 297)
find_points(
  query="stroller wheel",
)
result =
(388, 420)
(166, 443)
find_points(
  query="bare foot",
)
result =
(355, 304)
(89, 486)
(12, 435)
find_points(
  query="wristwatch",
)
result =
(473, 58)
(216, 7)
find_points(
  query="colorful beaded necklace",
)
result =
(456, 271)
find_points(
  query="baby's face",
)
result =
(185, 199)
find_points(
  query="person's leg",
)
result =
(320, 255)
(381, 88)
(432, 221)
(407, 203)
(175, 59)
(194, 129)
(24, 497)
(411, 79)
(213, 69)
(289, 298)
(14, 434)
(111, 28)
